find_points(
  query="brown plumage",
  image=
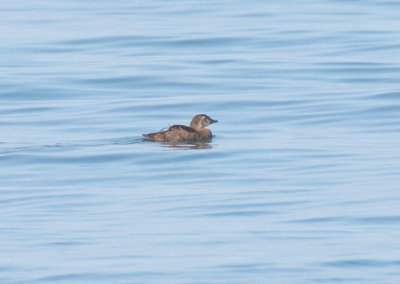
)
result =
(177, 133)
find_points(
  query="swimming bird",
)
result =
(177, 133)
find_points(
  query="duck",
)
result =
(178, 133)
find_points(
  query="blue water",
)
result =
(299, 185)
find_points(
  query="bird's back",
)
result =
(175, 133)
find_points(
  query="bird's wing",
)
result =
(181, 128)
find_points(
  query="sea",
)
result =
(299, 184)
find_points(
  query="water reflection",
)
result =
(188, 145)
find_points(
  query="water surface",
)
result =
(299, 184)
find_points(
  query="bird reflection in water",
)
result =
(188, 145)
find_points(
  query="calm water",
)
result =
(299, 185)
